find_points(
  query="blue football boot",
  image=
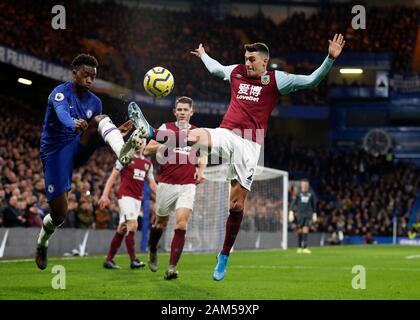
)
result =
(220, 270)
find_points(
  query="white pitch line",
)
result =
(318, 267)
(51, 259)
(413, 257)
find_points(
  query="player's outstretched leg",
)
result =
(140, 122)
(113, 137)
(233, 223)
(130, 148)
(167, 137)
(51, 221)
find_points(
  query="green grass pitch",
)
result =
(392, 272)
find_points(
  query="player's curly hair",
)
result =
(84, 59)
(258, 47)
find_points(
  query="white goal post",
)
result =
(266, 209)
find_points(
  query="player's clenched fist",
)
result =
(199, 51)
(81, 125)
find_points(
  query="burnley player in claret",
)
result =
(255, 92)
(130, 197)
(178, 177)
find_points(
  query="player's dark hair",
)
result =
(84, 59)
(184, 99)
(258, 47)
(305, 180)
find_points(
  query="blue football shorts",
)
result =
(58, 166)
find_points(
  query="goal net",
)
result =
(265, 209)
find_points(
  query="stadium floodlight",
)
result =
(24, 81)
(206, 228)
(351, 71)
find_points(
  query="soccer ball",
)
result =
(158, 82)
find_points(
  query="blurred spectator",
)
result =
(11, 215)
(84, 216)
(33, 218)
(103, 219)
(130, 40)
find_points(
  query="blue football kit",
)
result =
(61, 150)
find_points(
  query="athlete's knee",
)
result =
(200, 137)
(132, 225)
(181, 225)
(122, 228)
(95, 120)
(57, 220)
(236, 206)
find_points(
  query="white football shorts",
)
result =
(170, 197)
(130, 209)
(243, 155)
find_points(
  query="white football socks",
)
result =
(44, 235)
(111, 135)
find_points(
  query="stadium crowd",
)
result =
(358, 193)
(130, 40)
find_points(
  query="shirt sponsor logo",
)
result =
(139, 174)
(183, 150)
(304, 199)
(89, 113)
(249, 92)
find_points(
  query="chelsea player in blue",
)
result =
(73, 126)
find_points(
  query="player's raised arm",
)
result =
(287, 82)
(213, 65)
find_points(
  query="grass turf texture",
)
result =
(274, 274)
